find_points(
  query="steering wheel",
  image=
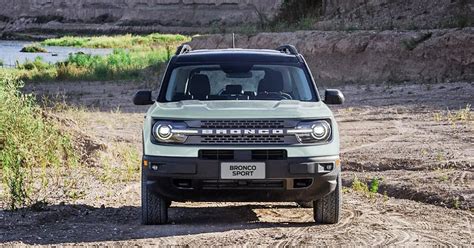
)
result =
(286, 96)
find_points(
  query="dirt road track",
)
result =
(365, 222)
(388, 132)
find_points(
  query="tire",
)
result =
(327, 209)
(154, 207)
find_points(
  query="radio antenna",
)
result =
(233, 40)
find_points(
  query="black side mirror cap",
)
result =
(334, 97)
(143, 97)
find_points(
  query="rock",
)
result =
(135, 15)
(395, 14)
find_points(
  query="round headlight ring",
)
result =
(163, 132)
(321, 130)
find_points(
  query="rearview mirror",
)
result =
(143, 97)
(333, 97)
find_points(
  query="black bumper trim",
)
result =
(198, 172)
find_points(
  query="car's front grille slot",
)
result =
(224, 124)
(238, 139)
(269, 154)
(253, 154)
(248, 184)
(216, 154)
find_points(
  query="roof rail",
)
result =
(183, 49)
(288, 49)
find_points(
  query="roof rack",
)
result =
(288, 49)
(183, 49)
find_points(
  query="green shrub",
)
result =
(33, 49)
(133, 57)
(374, 185)
(28, 140)
(37, 64)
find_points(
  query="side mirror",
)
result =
(334, 97)
(143, 98)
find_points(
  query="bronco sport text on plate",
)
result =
(240, 125)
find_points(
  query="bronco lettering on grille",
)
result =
(242, 132)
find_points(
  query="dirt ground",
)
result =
(415, 138)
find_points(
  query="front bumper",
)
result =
(193, 179)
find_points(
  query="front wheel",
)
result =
(327, 209)
(154, 207)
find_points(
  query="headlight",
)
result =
(169, 132)
(313, 131)
(163, 132)
(321, 130)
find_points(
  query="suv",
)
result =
(240, 125)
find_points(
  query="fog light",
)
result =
(326, 167)
(154, 167)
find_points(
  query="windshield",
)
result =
(238, 82)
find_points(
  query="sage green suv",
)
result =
(240, 125)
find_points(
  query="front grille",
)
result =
(243, 124)
(269, 154)
(242, 184)
(247, 139)
(229, 138)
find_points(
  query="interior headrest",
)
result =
(199, 86)
(233, 89)
(271, 82)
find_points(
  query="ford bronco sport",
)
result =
(240, 125)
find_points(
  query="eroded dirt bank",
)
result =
(337, 57)
(402, 134)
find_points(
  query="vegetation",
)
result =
(302, 12)
(359, 186)
(133, 57)
(28, 141)
(463, 115)
(369, 189)
(33, 49)
(293, 15)
(374, 185)
(121, 41)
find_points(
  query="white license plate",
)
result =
(242, 170)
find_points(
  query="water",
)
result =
(10, 52)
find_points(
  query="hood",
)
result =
(285, 109)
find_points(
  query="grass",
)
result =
(463, 115)
(120, 64)
(121, 163)
(28, 141)
(120, 41)
(133, 57)
(34, 48)
(369, 189)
